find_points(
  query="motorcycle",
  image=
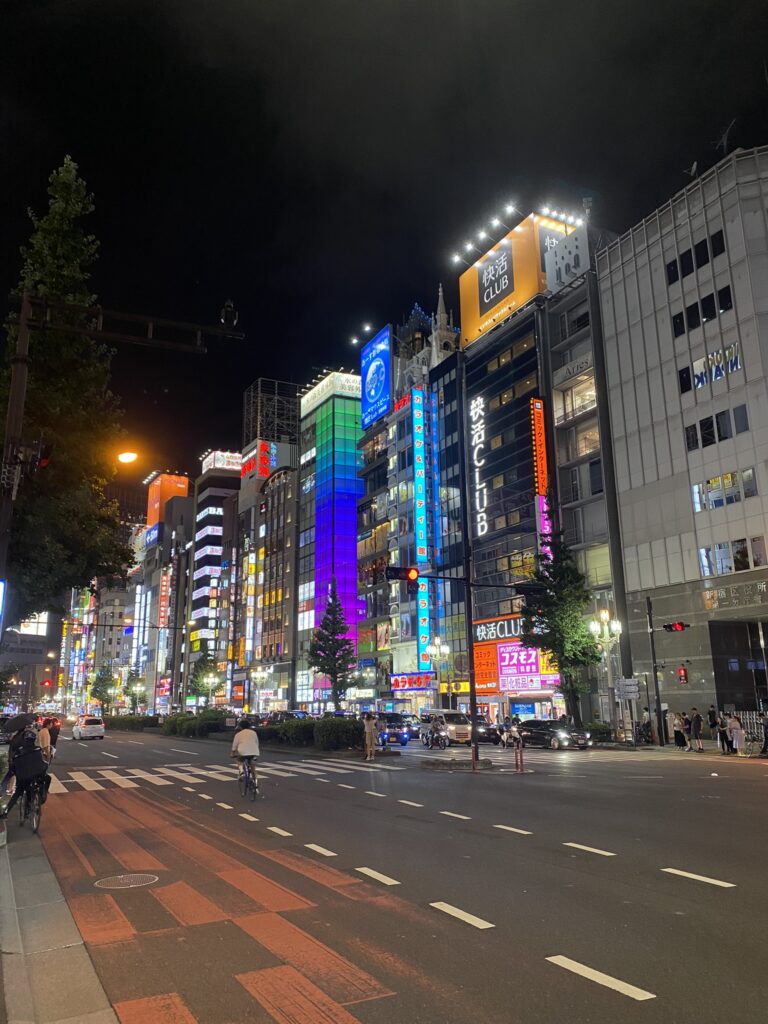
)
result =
(432, 739)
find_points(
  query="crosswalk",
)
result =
(502, 758)
(194, 775)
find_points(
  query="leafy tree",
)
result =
(132, 681)
(102, 683)
(331, 653)
(7, 673)
(205, 666)
(553, 620)
(65, 532)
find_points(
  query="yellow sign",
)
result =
(457, 686)
(539, 444)
(508, 276)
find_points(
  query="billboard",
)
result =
(376, 376)
(504, 666)
(221, 460)
(161, 490)
(507, 276)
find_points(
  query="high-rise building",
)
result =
(270, 412)
(329, 491)
(683, 300)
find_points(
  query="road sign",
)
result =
(628, 689)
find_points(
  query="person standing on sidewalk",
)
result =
(677, 728)
(722, 735)
(697, 726)
(736, 733)
(371, 734)
(764, 727)
(687, 731)
(712, 717)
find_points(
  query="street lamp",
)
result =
(607, 632)
(437, 651)
(211, 680)
(260, 676)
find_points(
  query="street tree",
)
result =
(331, 652)
(65, 531)
(7, 673)
(199, 682)
(553, 619)
(102, 683)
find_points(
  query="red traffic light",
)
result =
(412, 574)
(394, 572)
(682, 675)
(676, 627)
(47, 682)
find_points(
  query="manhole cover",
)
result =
(125, 881)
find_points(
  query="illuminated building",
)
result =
(329, 491)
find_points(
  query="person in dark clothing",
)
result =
(54, 728)
(30, 768)
(697, 725)
(13, 747)
(726, 747)
(712, 717)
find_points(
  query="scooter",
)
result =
(431, 739)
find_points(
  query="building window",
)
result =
(724, 300)
(717, 242)
(758, 552)
(699, 497)
(708, 307)
(684, 378)
(493, 365)
(740, 555)
(499, 522)
(505, 357)
(723, 559)
(707, 429)
(673, 274)
(494, 403)
(596, 477)
(525, 386)
(506, 396)
(723, 420)
(701, 253)
(522, 346)
(740, 419)
(678, 324)
(497, 441)
(692, 316)
(691, 438)
(706, 565)
(749, 483)
(498, 481)
(686, 263)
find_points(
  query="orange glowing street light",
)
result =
(126, 457)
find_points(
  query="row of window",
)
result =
(727, 489)
(710, 369)
(732, 556)
(521, 346)
(699, 254)
(699, 313)
(523, 387)
(719, 427)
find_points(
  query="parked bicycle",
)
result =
(752, 743)
(247, 781)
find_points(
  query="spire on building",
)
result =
(444, 337)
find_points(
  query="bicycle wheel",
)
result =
(253, 787)
(23, 809)
(36, 809)
(242, 781)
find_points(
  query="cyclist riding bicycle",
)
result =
(30, 768)
(245, 747)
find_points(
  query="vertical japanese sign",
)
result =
(420, 525)
(477, 483)
(540, 473)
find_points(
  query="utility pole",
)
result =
(659, 715)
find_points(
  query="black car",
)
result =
(554, 735)
(484, 732)
(396, 729)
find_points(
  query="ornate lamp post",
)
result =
(607, 632)
(438, 650)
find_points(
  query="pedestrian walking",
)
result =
(697, 727)
(723, 739)
(764, 727)
(679, 731)
(687, 731)
(736, 734)
(371, 734)
(505, 732)
(712, 720)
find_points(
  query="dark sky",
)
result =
(318, 160)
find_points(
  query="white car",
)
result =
(87, 728)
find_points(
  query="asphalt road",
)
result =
(594, 885)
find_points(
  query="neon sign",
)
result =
(477, 447)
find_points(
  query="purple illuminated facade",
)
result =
(329, 492)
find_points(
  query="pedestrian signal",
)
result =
(676, 627)
(682, 675)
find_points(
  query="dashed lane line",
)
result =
(278, 831)
(107, 754)
(599, 978)
(248, 817)
(377, 876)
(321, 850)
(226, 807)
(322, 780)
(204, 796)
(372, 792)
(462, 915)
(699, 878)
(451, 814)
(186, 750)
(590, 849)
(344, 785)
(410, 803)
(517, 831)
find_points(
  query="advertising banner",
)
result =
(375, 374)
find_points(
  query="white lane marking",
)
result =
(293, 767)
(189, 789)
(450, 814)
(248, 817)
(371, 792)
(350, 767)
(82, 744)
(104, 752)
(462, 915)
(217, 776)
(320, 849)
(590, 849)
(326, 768)
(204, 796)
(384, 879)
(643, 776)
(56, 786)
(321, 780)
(181, 776)
(84, 781)
(344, 785)
(119, 780)
(136, 743)
(601, 979)
(700, 878)
(509, 828)
(410, 803)
(278, 831)
(364, 768)
(139, 773)
(227, 807)
(186, 750)
(216, 767)
(155, 751)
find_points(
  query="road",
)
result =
(596, 884)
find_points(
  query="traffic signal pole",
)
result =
(659, 713)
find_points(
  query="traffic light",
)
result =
(47, 682)
(410, 574)
(682, 675)
(676, 627)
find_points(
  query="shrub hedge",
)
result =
(338, 733)
(131, 723)
(601, 731)
(195, 725)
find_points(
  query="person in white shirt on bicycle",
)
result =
(245, 747)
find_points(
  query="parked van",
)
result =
(456, 724)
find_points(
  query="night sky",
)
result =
(319, 160)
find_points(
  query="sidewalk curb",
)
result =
(20, 983)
